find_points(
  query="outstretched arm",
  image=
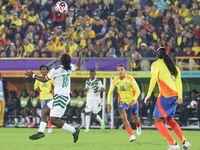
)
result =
(31, 74)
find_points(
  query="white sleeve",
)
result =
(86, 85)
(51, 74)
(73, 67)
(100, 85)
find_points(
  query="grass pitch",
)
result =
(96, 139)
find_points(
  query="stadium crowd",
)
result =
(105, 28)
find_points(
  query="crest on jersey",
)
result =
(126, 82)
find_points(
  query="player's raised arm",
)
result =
(80, 57)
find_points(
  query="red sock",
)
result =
(138, 125)
(129, 130)
(49, 125)
(165, 132)
(176, 128)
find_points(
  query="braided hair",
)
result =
(66, 61)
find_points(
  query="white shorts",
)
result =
(58, 106)
(95, 108)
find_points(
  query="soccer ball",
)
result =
(193, 104)
(61, 7)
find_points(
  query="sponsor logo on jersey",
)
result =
(121, 106)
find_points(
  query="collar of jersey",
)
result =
(93, 80)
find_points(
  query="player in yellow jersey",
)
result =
(128, 93)
(45, 90)
(168, 77)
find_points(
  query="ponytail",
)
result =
(66, 61)
(162, 54)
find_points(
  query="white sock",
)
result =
(33, 119)
(87, 121)
(68, 128)
(42, 126)
(23, 119)
(39, 112)
(16, 120)
(99, 119)
(38, 119)
(27, 118)
(83, 118)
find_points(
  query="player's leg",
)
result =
(134, 113)
(126, 124)
(87, 121)
(61, 124)
(96, 116)
(88, 110)
(69, 115)
(78, 113)
(96, 109)
(43, 123)
(15, 112)
(34, 117)
(26, 111)
(163, 108)
(23, 116)
(83, 117)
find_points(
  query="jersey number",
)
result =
(65, 80)
(122, 88)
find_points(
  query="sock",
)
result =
(165, 132)
(49, 125)
(42, 126)
(38, 120)
(99, 119)
(68, 128)
(33, 119)
(27, 118)
(176, 128)
(16, 120)
(83, 118)
(87, 121)
(138, 125)
(23, 119)
(129, 130)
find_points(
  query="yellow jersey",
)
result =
(128, 89)
(44, 89)
(18, 22)
(169, 86)
(196, 50)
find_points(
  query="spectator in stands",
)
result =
(98, 46)
(12, 105)
(28, 46)
(31, 19)
(8, 21)
(46, 9)
(178, 53)
(42, 34)
(24, 14)
(191, 38)
(165, 45)
(24, 26)
(36, 54)
(189, 110)
(196, 47)
(37, 41)
(72, 45)
(90, 33)
(98, 28)
(51, 45)
(188, 62)
(122, 53)
(139, 39)
(195, 19)
(21, 51)
(31, 31)
(78, 34)
(32, 107)
(44, 54)
(15, 20)
(120, 39)
(10, 35)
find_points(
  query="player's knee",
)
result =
(52, 120)
(123, 117)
